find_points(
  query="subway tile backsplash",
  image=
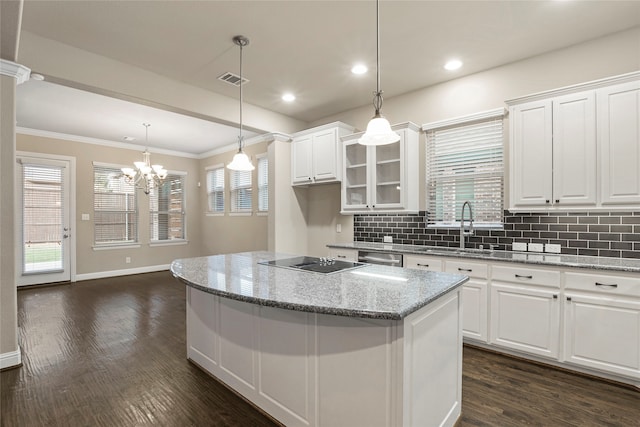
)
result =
(607, 234)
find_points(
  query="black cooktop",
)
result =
(316, 265)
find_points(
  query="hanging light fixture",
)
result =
(378, 130)
(241, 161)
(145, 175)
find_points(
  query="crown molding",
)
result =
(340, 125)
(483, 115)
(17, 71)
(267, 137)
(103, 142)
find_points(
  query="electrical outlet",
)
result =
(518, 246)
(553, 249)
(127, 260)
(536, 247)
(387, 239)
(338, 228)
(85, 217)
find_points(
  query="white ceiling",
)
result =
(306, 47)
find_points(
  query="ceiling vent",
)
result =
(232, 79)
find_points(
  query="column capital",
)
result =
(17, 71)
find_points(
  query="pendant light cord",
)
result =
(240, 137)
(377, 99)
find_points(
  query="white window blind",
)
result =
(465, 162)
(263, 183)
(215, 189)
(115, 211)
(167, 210)
(241, 191)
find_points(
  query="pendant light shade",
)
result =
(241, 161)
(379, 130)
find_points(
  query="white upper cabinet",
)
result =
(619, 137)
(316, 154)
(574, 149)
(381, 178)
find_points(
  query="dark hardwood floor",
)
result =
(111, 352)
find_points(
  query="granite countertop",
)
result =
(372, 291)
(577, 261)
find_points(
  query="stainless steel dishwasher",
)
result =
(383, 258)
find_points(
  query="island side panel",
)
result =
(433, 363)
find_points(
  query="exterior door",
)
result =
(44, 203)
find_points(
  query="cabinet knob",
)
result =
(373, 206)
(568, 298)
(555, 296)
(557, 200)
(309, 178)
(547, 201)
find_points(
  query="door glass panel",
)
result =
(42, 204)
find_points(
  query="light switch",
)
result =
(338, 228)
(85, 217)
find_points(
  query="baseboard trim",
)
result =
(124, 272)
(10, 359)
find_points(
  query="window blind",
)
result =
(465, 162)
(263, 184)
(115, 212)
(167, 210)
(215, 189)
(241, 191)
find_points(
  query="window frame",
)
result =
(265, 186)
(159, 242)
(485, 117)
(210, 193)
(114, 244)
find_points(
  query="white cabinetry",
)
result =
(344, 254)
(602, 322)
(474, 297)
(381, 178)
(525, 311)
(577, 147)
(316, 154)
(424, 262)
(619, 136)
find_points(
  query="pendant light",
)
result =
(241, 161)
(378, 130)
(145, 176)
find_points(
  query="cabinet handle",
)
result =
(468, 270)
(523, 277)
(422, 265)
(341, 256)
(557, 200)
(373, 206)
(555, 296)
(568, 298)
(547, 201)
(613, 285)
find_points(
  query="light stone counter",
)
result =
(372, 291)
(574, 261)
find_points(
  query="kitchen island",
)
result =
(368, 346)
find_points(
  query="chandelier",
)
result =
(145, 176)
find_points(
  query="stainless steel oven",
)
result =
(383, 258)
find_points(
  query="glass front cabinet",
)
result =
(381, 178)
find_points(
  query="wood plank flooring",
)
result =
(111, 352)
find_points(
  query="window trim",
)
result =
(154, 242)
(483, 116)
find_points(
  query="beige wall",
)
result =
(221, 234)
(93, 261)
(8, 296)
(322, 218)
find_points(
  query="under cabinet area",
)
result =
(381, 178)
(316, 154)
(574, 149)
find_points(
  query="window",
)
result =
(263, 183)
(241, 191)
(115, 212)
(465, 162)
(215, 189)
(167, 209)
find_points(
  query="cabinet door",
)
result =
(525, 318)
(388, 176)
(603, 333)
(474, 313)
(301, 167)
(574, 149)
(344, 254)
(355, 180)
(423, 262)
(531, 154)
(619, 142)
(325, 156)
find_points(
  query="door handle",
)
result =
(66, 236)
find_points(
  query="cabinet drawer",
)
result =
(526, 276)
(423, 263)
(344, 254)
(603, 283)
(471, 269)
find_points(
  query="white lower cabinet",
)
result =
(525, 311)
(344, 254)
(602, 323)
(423, 262)
(474, 298)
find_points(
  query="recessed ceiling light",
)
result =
(36, 76)
(359, 69)
(454, 64)
(128, 138)
(288, 97)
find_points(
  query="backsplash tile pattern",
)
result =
(607, 234)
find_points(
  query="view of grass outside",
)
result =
(39, 256)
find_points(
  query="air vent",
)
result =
(232, 79)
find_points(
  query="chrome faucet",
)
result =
(462, 232)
